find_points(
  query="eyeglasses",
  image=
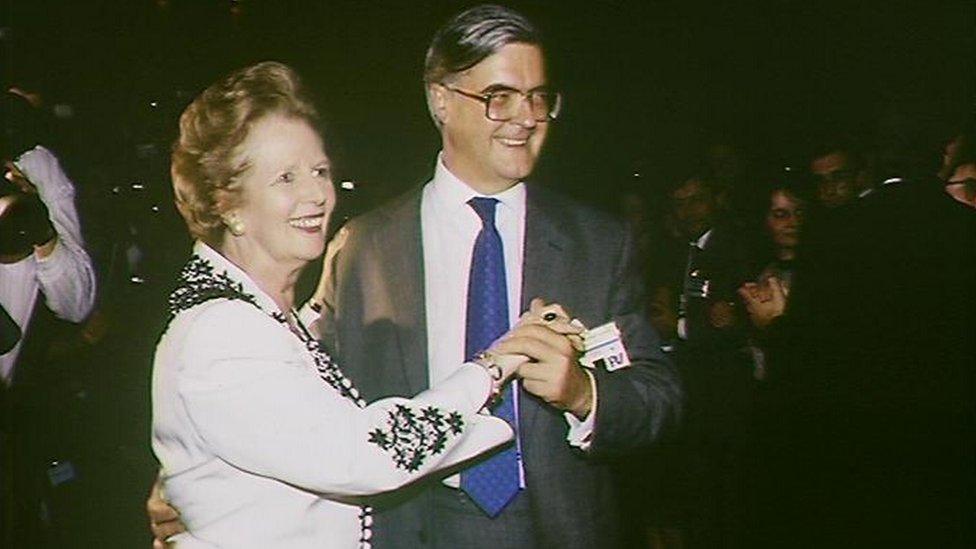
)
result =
(503, 104)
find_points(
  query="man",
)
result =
(700, 270)
(960, 170)
(400, 282)
(839, 174)
(399, 306)
(707, 262)
(46, 277)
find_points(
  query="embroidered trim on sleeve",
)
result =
(412, 437)
(200, 282)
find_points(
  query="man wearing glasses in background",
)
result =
(416, 287)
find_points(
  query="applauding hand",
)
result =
(765, 302)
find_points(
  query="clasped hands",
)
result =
(542, 350)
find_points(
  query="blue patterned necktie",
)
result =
(493, 483)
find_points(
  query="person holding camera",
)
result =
(45, 276)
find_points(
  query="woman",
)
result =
(783, 216)
(785, 213)
(263, 442)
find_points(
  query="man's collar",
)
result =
(451, 192)
(702, 240)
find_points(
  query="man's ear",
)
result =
(437, 102)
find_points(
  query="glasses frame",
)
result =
(485, 98)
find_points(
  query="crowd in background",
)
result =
(822, 316)
(820, 312)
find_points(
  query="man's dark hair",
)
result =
(965, 146)
(679, 176)
(473, 35)
(845, 145)
(966, 153)
(22, 128)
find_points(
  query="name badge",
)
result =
(603, 348)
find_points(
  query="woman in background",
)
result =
(783, 216)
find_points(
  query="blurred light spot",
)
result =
(62, 110)
(348, 185)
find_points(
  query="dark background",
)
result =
(647, 86)
(646, 83)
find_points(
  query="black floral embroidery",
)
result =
(411, 437)
(328, 370)
(199, 283)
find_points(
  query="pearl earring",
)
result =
(235, 225)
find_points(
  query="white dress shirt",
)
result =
(449, 229)
(66, 276)
(701, 242)
(257, 451)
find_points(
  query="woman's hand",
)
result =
(764, 302)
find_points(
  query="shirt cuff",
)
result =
(54, 264)
(307, 315)
(581, 431)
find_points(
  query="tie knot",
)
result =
(485, 208)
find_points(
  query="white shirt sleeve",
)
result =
(581, 431)
(67, 280)
(66, 277)
(256, 400)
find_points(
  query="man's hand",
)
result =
(13, 174)
(552, 372)
(334, 246)
(164, 520)
(553, 317)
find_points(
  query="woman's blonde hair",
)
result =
(205, 161)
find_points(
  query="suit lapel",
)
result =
(544, 250)
(402, 260)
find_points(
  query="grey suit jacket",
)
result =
(374, 322)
